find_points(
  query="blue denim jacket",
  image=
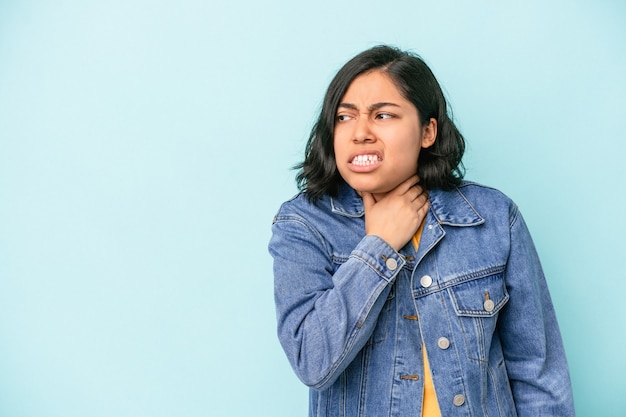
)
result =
(353, 313)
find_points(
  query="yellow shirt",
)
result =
(430, 406)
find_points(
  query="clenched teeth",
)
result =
(363, 160)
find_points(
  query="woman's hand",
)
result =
(396, 217)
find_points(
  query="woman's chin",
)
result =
(378, 193)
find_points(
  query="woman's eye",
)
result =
(384, 116)
(342, 117)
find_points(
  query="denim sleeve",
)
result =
(533, 349)
(326, 313)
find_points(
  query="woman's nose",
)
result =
(363, 131)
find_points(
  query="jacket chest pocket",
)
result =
(477, 303)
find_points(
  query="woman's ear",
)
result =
(429, 133)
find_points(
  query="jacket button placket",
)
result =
(413, 377)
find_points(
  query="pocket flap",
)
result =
(480, 297)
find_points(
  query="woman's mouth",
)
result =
(365, 160)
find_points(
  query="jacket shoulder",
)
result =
(487, 199)
(471, 188)
(300, 205)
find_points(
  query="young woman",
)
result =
(402, 290)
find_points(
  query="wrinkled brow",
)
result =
(372, 107)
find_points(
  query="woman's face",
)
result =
(378, 135)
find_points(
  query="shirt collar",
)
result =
(449, 207)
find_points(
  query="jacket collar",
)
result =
(448, 207)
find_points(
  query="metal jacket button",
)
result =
(489, 305)
(443, 343)
(458, 400)
(426, 281)
(391, 264)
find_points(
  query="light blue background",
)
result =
(145, 146)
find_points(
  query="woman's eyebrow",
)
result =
(372, 107)
(377, 106)
(347, 106)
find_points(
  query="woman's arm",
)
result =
(325, 317)
(533, 349)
